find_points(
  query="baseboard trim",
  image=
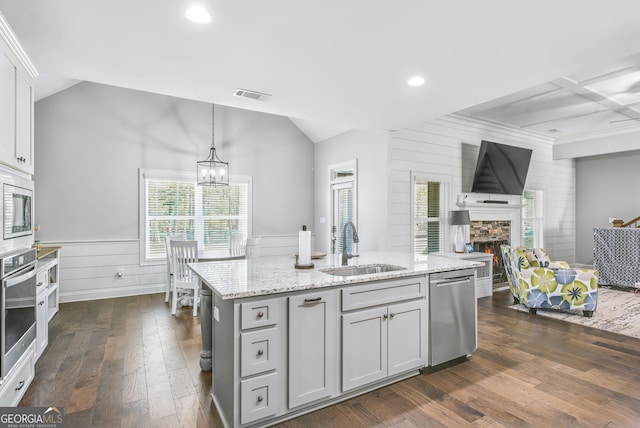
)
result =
(110, 293)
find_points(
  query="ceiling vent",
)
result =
(252, 95)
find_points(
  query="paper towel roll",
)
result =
(304, 247)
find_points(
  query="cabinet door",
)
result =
(408, 329)
(312, 347)
(7, 108)
(42, 324)
(24, 124)
(364, 347)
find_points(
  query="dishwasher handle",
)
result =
(451, 281)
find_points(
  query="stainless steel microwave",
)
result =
(17, 211)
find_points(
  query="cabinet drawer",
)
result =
(383, 292)
(42, 280)
(260, 313)
(260, 351)
(259, 397)
(16, 384)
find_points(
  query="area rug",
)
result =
(618, 312)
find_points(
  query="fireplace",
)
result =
(487, 236)
(493, 247)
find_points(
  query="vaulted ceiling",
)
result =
(345, 64)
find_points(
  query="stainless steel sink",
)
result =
(361, 270)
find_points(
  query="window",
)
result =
(430, 200)
(532, 218)
(344, 205)
(172, 203)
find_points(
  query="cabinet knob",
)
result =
(391, 316)
(260, 398)
(260, 314)
(385, 316)
(260, 352)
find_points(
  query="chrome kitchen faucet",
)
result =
(346, 256)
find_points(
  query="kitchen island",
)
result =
(286, 341)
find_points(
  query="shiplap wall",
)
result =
(88, 269)
(449, 146)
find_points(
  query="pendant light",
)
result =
(212, 171)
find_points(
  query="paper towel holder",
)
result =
(299, 265)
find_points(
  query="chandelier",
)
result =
(212, 171)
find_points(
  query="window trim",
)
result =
(426, 177)
(161, 174)
(336, 183)
(539, 192)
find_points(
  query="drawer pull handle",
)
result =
(260, 352)
(391, 316)
(260, 398)
(385, 316)
(21, 385)
(317, 299)
(260, 314)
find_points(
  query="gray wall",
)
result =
(371, 150)
(91, 139)
(606, 187)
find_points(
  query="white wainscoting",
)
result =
(88, 269)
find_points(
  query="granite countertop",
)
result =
(232, 279)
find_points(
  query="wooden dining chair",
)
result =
(167, 241)
(237, 245)
(184, 252)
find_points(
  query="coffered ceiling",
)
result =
(345, 64)
(600, 101)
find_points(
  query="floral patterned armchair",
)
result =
(547, 284)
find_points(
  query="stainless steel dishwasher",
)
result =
(452, 315)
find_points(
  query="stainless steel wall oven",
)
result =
(18, 318)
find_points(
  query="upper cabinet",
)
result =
(16, 102)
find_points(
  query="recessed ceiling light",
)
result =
(416, 81)
(198, 14)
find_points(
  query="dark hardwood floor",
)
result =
(127, 362)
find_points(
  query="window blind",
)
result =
(430, 206)
(208, 214)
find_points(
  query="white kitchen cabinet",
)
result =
(312, 347)
(407, 336)
(48, 265)
(383, 341)
(24, 122)
(16, 383)
(364, 347)
(7, 106)
(42, 319)
(16, 103)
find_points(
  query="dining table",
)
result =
(206, 303)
